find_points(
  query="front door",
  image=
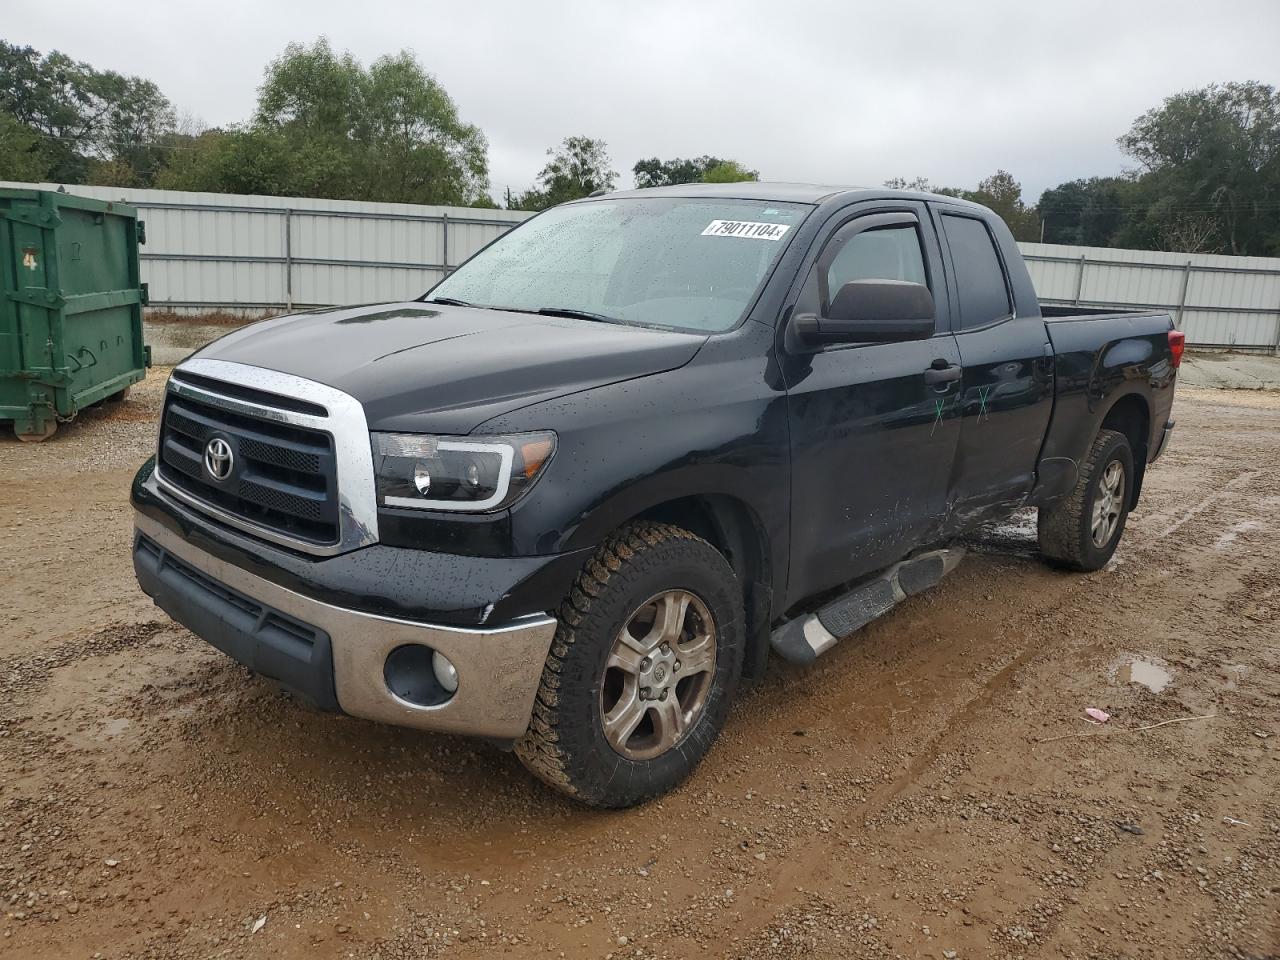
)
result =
(874, 426)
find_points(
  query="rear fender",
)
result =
(1126, 373)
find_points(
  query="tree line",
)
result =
(1206, 175)
(1207, 180)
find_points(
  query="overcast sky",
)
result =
(831, 92)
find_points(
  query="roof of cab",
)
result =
(776, 192)
(747, 190)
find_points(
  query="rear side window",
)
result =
(980, 280)
(884, 253)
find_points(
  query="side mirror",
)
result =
(872, 311)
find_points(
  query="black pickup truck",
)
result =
(572, 495)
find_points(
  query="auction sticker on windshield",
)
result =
(746, 229)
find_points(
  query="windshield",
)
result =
(665, 261)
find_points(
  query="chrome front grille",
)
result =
(283, 476)
(301, 471)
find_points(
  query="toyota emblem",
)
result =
(218, 458)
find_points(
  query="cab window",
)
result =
(980, 281)
(881, 253)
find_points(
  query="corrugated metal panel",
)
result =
(209, 251)
(1216, 300)
(252, 254)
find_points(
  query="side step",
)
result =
(806, 638)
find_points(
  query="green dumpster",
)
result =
(70, 306)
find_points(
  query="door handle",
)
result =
(948, 374)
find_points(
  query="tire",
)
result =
(1067, 528)
(644, 569)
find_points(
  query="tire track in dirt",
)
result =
(1240, 480)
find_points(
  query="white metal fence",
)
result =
(250, 254)
(1217, 301)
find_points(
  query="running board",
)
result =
(806, 638)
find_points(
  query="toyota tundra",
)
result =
(568, 498)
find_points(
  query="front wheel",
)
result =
(640, 674)
(1082, 531)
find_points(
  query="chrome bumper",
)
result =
(498, 669)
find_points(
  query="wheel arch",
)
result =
(737, 531)
(1130, 415)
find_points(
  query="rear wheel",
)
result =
(1082, 531)
(640, 674)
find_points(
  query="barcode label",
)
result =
(746, 229)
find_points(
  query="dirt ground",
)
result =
(928, 789)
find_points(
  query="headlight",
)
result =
(457, 473)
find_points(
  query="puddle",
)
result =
(1153, 674)
(113, 728)
(1229, 536)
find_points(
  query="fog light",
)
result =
(446, 672)
(419, 676)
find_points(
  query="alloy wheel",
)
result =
(658, 675)
(1108, 503)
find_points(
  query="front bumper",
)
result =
(337, 656)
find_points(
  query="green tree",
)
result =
(134, 128)
(654, 172)
(86, 119)
(242, 160)
(1211, 158)
(1090, 212)
(52, 95)
(1000, 191)
(921, 185)
(578, 167)
(1003, 194)
(415, 145)
(312, 90)
(729, 171)
(390, 132)
(22, 155)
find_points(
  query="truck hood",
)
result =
(430, 368)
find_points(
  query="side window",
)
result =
(980, 280)
(883, 253)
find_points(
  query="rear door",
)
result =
(872, 439)
(1008, 369)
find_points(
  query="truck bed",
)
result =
(1054, 311)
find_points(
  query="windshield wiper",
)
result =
(577, 314)
(449, 302)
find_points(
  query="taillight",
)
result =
(1177, 343)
